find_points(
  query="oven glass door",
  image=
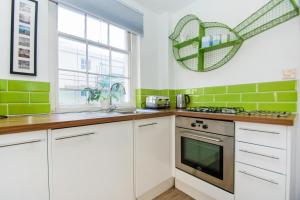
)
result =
(203, 156)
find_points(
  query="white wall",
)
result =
(42, 42)
(260, 59)
(153, 59)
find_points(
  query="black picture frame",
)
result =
(29, 41)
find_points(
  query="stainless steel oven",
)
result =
(205, 149)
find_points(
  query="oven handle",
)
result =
(203, 137)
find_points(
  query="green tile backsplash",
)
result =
(270, 96)
(24, 97)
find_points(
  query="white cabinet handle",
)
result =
(255, 176)
(74, 136)
(151, 124)
(259, 154)
(253, 130)
(20, 143)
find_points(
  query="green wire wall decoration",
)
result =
(190, 30)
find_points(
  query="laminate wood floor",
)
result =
(173, 194)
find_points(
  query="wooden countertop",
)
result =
(65, 120)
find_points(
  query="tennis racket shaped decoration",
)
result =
(205, 46)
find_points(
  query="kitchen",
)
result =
(81, 82)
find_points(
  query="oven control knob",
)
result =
(205, 126)
(193, 124)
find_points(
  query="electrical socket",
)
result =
(289, 74)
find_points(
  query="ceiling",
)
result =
(161, 6)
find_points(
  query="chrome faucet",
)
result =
(115, 86)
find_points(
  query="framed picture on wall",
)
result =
(24, 37)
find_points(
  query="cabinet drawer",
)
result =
(262, 134)
(263, 157)
(254, 183)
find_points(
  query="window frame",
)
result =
(87, 43)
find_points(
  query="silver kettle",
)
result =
(182, 100)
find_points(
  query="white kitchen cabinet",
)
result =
(264, 162)
(255, 183)
(271, 159)
(23, 166)
(152, 153)
(92, 162)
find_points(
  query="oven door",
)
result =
(207, 156)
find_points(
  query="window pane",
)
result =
(119, 96)
(66, 19)
(98, 60)
(97, 31)
(102, 84)
(71, 55)
(118, 37)
(119, 62)
(71, 86)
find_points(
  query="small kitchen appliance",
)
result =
(157, 102)
(182, 100)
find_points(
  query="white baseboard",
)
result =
(199, 189)
(158, 190)
(187, 189)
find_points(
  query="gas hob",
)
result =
(237, 111)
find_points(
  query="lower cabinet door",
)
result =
(23, 166)
(152, 153)
(93, 162)
(252, 183)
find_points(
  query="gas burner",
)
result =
(267, 113)
(236, 110)
(221, 110)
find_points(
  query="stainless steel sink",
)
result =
(139, 111)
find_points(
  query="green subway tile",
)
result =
(14, 97)
(287, 96)
(28, 86)
(241, 88)
(258, 97)
(207, 104)
(173, 98)
(228, 98)
(138, 91)
(164, 92)
(180, 91)
(194, 91)
(39, 97)
(198, 91)
(277, 86)
(3, 109)
(289, 107)
(138, 101)
(246, 106)
(205, 98)
(215, 90)
(21, 109)
(172, 92)
(3, 85)
(193, 98)
(149, 92)
(142, 101)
